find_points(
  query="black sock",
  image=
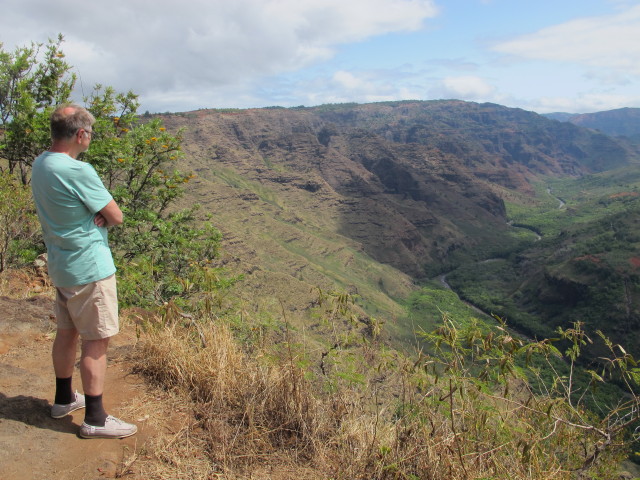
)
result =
(94, 413)
(64, 394)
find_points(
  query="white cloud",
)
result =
(246, 53)
(586, 103)
(606, 42)
(348, 80)
(201, 45)
(465, 87)
(362, 87)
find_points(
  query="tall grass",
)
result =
(465, 412)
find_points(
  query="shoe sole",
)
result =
(88, 437)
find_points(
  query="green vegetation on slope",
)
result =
(585, 267)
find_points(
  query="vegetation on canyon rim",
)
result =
(479, 403)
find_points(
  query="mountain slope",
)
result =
(406, 205)
(618, 122)
(369, 198)
(495, 142)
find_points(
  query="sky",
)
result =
(573, 56)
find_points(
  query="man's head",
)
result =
(70, 120)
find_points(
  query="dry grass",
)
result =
(259, 419)
(246, 412)
(174, 450)
(229, 410)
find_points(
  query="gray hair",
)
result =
(67, 119)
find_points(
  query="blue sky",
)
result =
(545, 56)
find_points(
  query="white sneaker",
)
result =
(113, 428)
(59, 411)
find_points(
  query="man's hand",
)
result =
(99, 220)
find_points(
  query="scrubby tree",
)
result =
(160, 248)
(32, 80)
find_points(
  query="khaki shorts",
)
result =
(92, 309)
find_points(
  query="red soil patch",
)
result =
(624, 194)
(588, 258)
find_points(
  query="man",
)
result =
(75, 210)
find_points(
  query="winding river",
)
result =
(443, 277)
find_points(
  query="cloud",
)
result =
(200, 45)
(454, 64)
(349, 81)
(248, 53)
(585, 103)
(363, 86)
(465, 87)
(609, 42)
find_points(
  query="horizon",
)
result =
(347, 103)
(547, 57)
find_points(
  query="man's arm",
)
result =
(109, 215)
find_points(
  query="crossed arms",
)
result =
(110, 215)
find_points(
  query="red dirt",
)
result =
(32, 444)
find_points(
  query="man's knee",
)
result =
(66, 336)
(95, 348)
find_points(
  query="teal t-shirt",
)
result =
(68, 193)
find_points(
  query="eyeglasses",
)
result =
(89, 133)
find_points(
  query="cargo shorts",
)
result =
(91, 309)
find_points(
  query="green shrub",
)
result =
(19, 229)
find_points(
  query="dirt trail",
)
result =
(34, 446)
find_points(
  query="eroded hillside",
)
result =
(372, 197)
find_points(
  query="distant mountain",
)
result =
(619, 122)
(505, 145)
(372, 198)
(414, 184)
(560, 116)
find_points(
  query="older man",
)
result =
(75, 210)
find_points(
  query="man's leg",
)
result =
(64, 352)
(63, 355)
(93, 369)
(93, 365)
(94, 310)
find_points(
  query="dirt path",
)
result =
(32, 444)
